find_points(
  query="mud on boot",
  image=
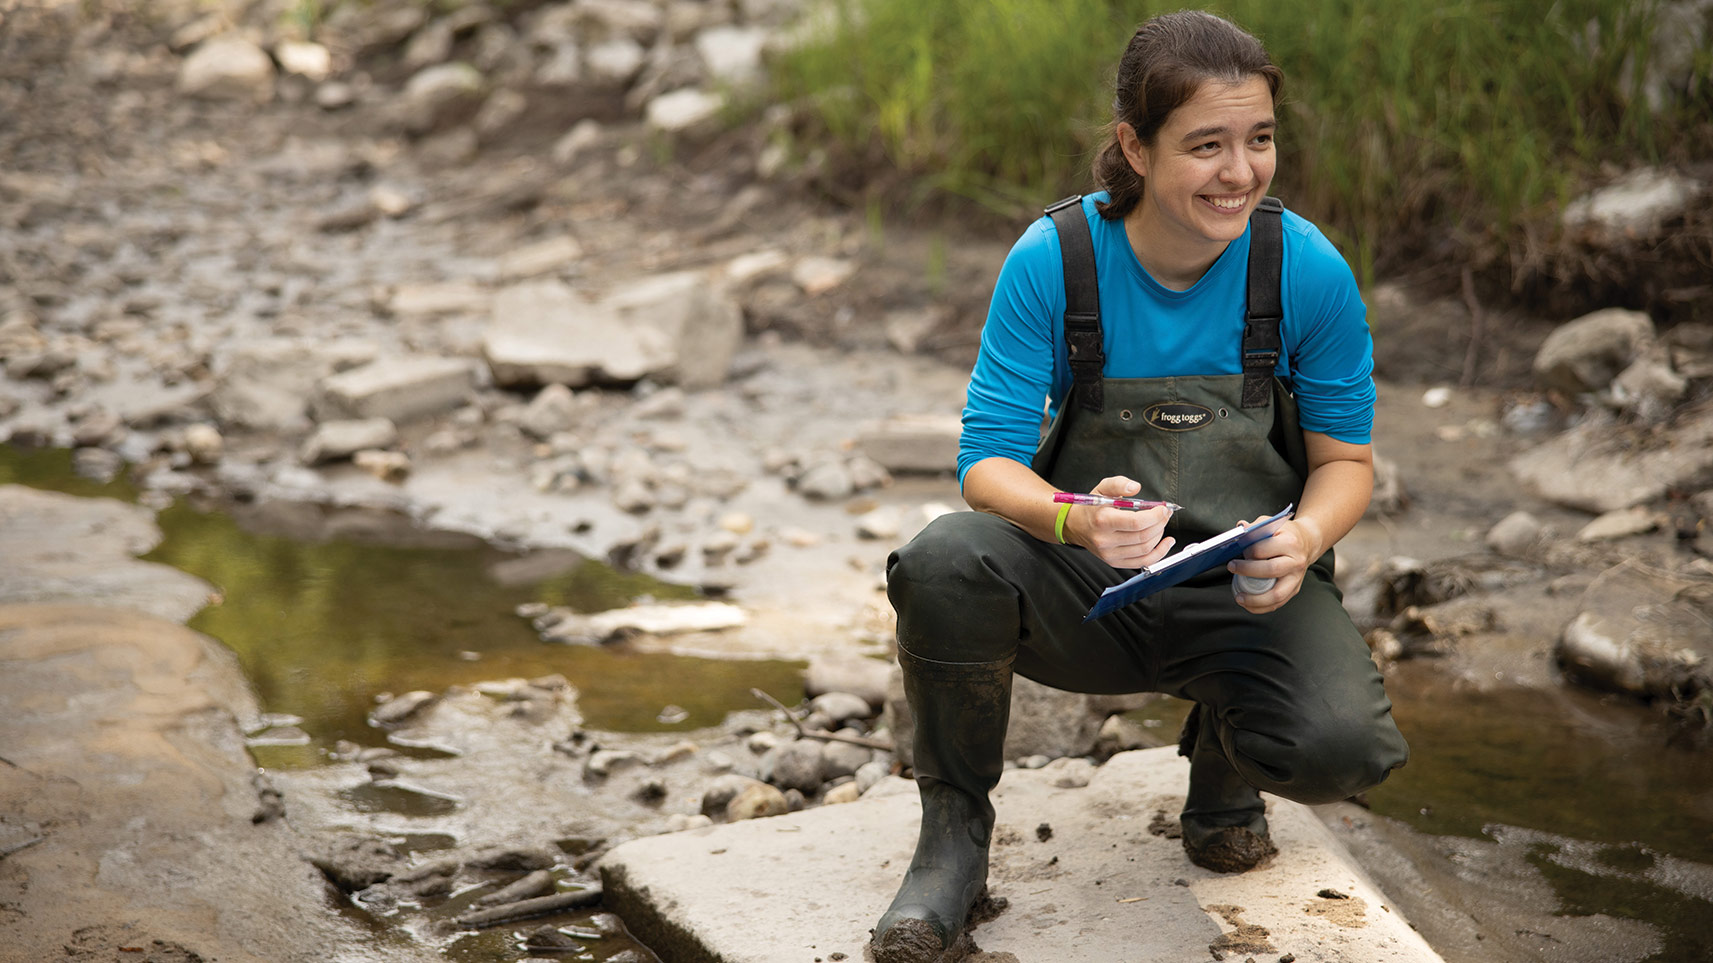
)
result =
(1224, 822)
(1227, 849)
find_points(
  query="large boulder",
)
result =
(1642, 632)
(542, 332)
(702, 323)
(1599, 467)
(268, 383)
(1588, 353)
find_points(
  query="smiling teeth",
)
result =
(1227, 203)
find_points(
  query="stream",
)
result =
(1603, 798)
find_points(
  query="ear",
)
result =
(1133, 150)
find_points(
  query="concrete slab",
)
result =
(1088, 880)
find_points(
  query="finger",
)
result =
(1117, 486)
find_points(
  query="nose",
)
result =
(1237, 169)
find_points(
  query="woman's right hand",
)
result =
(1119, 537)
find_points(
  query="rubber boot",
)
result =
(1224, 821)
(960, 711)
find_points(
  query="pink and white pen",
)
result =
(1104, 501)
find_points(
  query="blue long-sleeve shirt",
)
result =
(1154, 332)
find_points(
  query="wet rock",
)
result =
(542, 332)
(1586, 354)
(353, 863)
(604, 762)
(1642, 632)
(400, 709)
(842, 707)
(913, 443)
(435, 94)
(398, 389)
(228, 68)
(795, 765)
(514, 859)
(661, 619)
(757, 800)
(334, 440)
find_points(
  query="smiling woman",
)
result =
(1234, 327)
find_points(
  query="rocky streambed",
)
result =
(339, 286)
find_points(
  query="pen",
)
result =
(1129, 504)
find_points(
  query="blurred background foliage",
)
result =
(1450, 127)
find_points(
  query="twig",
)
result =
(524, 909)
(791, 717)
(1477, 328)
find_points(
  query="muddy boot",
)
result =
(1224, 821)
(960, 712)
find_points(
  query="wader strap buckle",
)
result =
(1084, 339)
(1265, 311)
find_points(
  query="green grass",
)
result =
(1477, 118)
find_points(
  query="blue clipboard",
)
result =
(1189, 561)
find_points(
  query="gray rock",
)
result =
(731, 55)
(1649, 388)
(502, 109)
(614, 63)
(1619, 524)
(1642, 632)
(722, 791)
(435, 93)
(543, 333)
(841, 707)
(1071, 772)
(871, 773)
(554, 409)
(228, 68)
(548, 256)
(1517, 535)
(796, 765)
(400, 389)
(755, 801)
(400, 709)
(698, 319)
(428, 300)
(883, 524)
(687, 110)
(389, 466)
(358, 862)
(913, 443)
(1586, 354)
(266, 383)
(604, 762)
(843, 758)
(1635, 204)
(827, 480)
(1598, 466)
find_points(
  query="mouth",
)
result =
(1228, 203)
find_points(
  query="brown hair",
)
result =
(1167, 61)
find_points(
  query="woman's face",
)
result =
(1209, 165)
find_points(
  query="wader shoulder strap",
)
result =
(1084, 340)
(1261, 341)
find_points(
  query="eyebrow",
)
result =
(1201, 132)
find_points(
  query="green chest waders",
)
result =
(1226, 447)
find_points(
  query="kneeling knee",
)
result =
(1336, 762)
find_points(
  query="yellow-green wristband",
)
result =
(1059, 526)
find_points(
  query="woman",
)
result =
(1153, 399)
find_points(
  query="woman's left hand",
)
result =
(1284, 558)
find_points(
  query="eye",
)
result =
(1206, 148)
(1262, 140)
